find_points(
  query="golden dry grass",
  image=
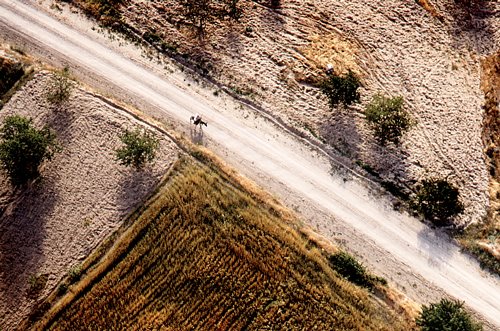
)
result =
(333, 49)
(207, 255)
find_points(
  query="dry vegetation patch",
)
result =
(51, 225)
(207, 255)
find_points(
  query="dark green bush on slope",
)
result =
(388, 118)
(341, 89)
(23, 148)
(446, 316)
(438, 201)
(138, 148)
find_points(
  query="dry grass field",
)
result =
(208, 255)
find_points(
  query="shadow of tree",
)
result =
(472, 24)
(134, 183)
(340, 131)
(22, 231)
(434, 243)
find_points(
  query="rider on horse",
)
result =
(197, 120)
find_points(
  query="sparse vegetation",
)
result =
(74, 273)
(446, 315)
(62, 289)
(388, 118)
(36, 284)
(139, 148)
(438, 201)
(60, 86)
(353, 271)
(23, 148)
(105, 11)
(341, 89)
(275, 3)
(201, 12)
(207, 255)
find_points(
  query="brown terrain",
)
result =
(50, 227)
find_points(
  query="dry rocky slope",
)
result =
(82, 196)
(398, 48)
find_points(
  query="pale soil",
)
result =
(418, 260)
(82, 197)
(398, 48)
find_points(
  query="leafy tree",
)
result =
(438, 201)
(446, 316)
(199, 13)
(341, 89)
(202, 12)
(138, 148)
(60, 87)
(23, 148)
(388, 118)
(231, 9)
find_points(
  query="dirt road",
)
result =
(399, 247)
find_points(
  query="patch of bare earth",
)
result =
(433, 60)
(82, 196)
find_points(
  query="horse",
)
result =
(196, 119)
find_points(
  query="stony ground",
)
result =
(82, 196)
(398, 48)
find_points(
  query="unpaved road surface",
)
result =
(397, 246)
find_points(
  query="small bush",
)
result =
(341, 89)
(438, 201)
(275, 3)
(60, 87)
(74, 273)
(23, 148)
(446, 315)
(36, 284)
(388, 118)
(106, 11)
(138, 148)
(62, 289)
(353, 271)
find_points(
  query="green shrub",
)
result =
(353, 271)
(341, 89)
(62, 289)
(74, 273)
(60, 87)
(23, 148)
(388, 119)
(36, 284)
(446, 315)
(438, 201)
(138, 148)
